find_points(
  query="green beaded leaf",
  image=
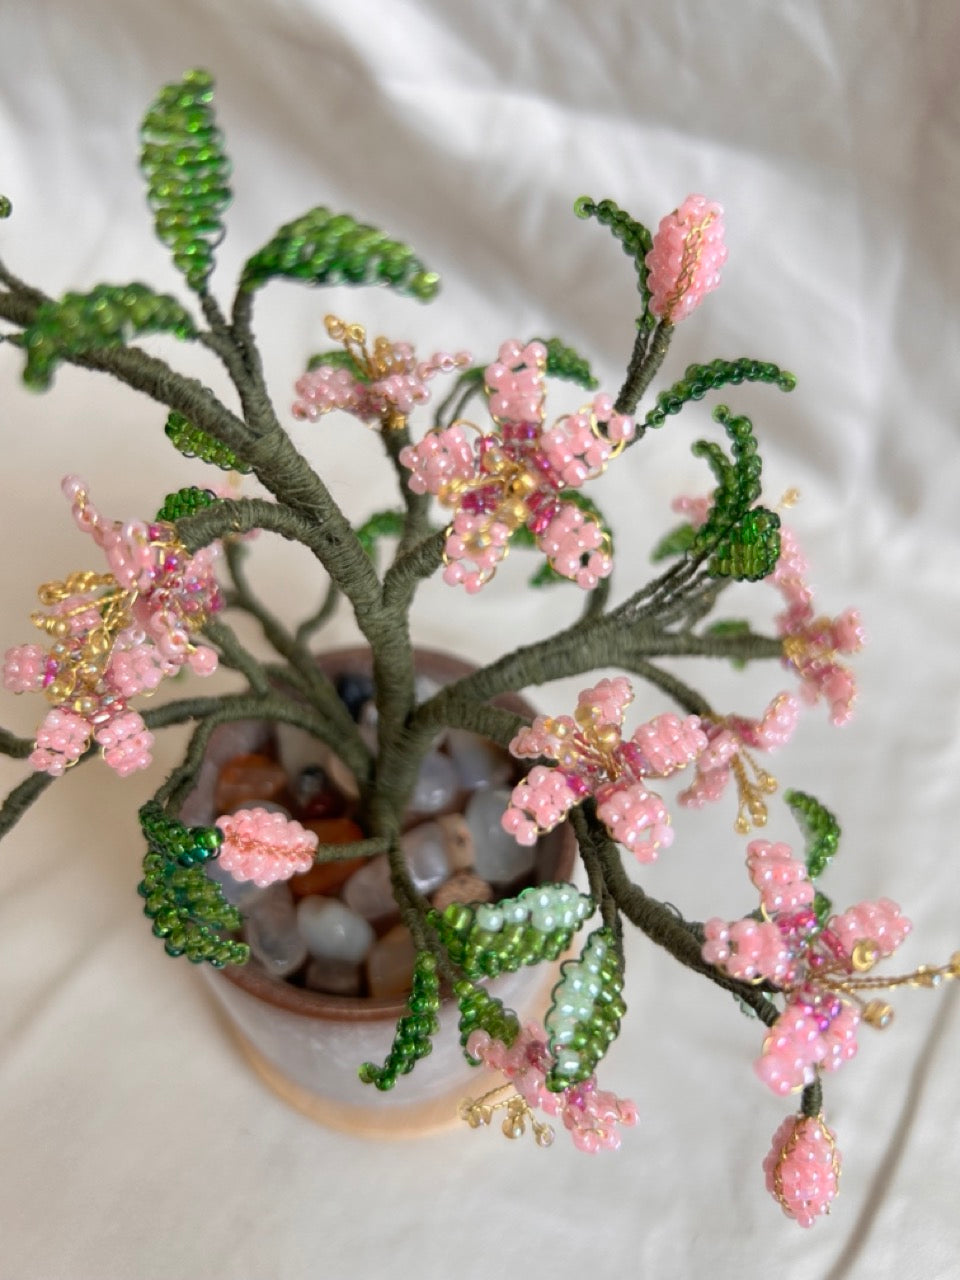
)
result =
(186, 170)
(6, 208)
(723, 628)
(325, 248)
(820, 828)
(675, 543)
(487, 939)
(635, 238)
(337, 358)
(413, 1037)
(186, 502)
(743, 541)
(822, 908)
(108, 316)
(584, 1017)
(564, 362)
(187, 908)
(480, 1011)
(194, 442)
(382, 524)
(701, 378)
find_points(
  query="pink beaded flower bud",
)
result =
(685, 260)
(781, 879)
(23, 668)
(264, 847)
(802, 1168)
(62, 738)
(126, 743)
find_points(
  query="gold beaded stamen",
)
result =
(374, 364)
(478, 1112)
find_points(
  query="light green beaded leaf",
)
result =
(564, 362)
(820, 828)
(108, 316)
(487, 939)
(326, 248)
(675, 543)
(194, 442)
(186, 170)
(698, 379)
(187, 908)
(743, 541)
(584, 1017)
(635, 238)
(413, 1038)
(382, 524)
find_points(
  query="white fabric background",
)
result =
(135, 1143)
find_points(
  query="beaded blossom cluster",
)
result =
(114, 635)
(594, 759)
(499, 482)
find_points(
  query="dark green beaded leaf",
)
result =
(413, 1037)
(820, 828)
(487, 939)
(564, 362)
(635, 238)
(675, 543)
(480, 1011)
(185, 502)
(193, 442)
(822, 908)
(587, 1005)
(187, 908)
(701, 378)
(6, 208)
(382, 524)
(108, 316)
(187, 171)
(325, 248)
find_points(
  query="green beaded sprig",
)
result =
(108, 316)
(744, 540)
(325, 248)
(480, 1011)
(187, 908)
(820, 828)
(6, 208)
(382, 524)
(678, 542)
(698, 379)
(635, 238)
(487, 939)
(413, 1037)
(584, 1017)
(564, 362)
(337, 358)
(186, 172)
(185, 502)
(193, 442)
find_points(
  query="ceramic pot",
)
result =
(307, 1045)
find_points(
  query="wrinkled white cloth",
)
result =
(136, 1144)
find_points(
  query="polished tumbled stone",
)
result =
(368, 891)
(390, 964)
(332, 931)
(465, 886)
(334, 977)
(436, 784)
(497, 856)
(272, 932)
(478, 762)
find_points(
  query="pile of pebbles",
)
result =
(335, 928)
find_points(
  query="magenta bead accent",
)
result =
(802, 1169)
(685, 260)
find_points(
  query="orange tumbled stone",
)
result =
(328, 878)
(390, 964)
(249, 777)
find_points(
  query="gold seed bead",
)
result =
(877, 1013)
(864, 955)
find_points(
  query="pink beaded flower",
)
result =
(802, 1168)
(685, 260)
(812, 644)
(593, 758)
(726, 754)
(590, 1115)
(497, 483)
(264, 847)
(114, 635)
(383, 385)
(821, 969)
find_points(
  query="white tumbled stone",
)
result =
(271, 930)
(332, 931)
(436, 784)
(496, 855)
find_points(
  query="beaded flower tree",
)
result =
(518, 479)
